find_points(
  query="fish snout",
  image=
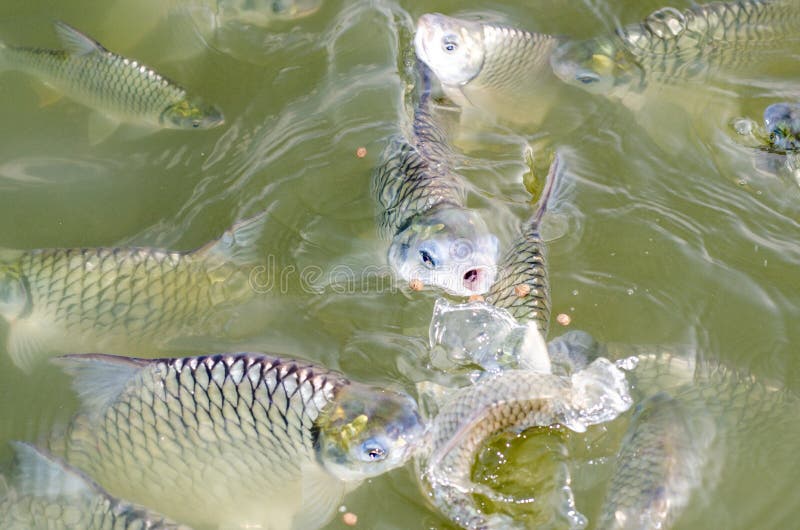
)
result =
(477, 280)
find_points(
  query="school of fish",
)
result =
(263, 440)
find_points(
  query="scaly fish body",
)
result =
(513, 400)
(120, 88)
(485, 65)
(53, 496)
(421, 207)
(672, 45)
(236, 439)
(72, 300)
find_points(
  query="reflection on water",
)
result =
(677, 231)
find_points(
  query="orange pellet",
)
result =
(476, 298)
(563, 319)
(361, 152)
(522, 290)
(416, 285)
(349, 518)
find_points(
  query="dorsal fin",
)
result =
(237, 244)
(98, 379)
(75, 42)
(42, 475)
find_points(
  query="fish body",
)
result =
(513, 400)
(421, 207)
(236, 439)
(50, 495)
(673, 45)
(73, 300)
(120, 88)
(482, 65)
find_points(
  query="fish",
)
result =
(72, 300)
(690, 412)
(511, 400)
(420, 201)
(673, 45)
(481, 65)
(120, 89)
(522, 287)
(782, 123)
(50, 495)
(233, 440)
(661, 462)
(264, 12)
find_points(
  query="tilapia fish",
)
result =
(436, 240)
(122, 89)
(87, 299)
(235, 440)
(673, 45)
(482, 65)
(49, 495)
(513, 400)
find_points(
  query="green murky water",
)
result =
(682, 236)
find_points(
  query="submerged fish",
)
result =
(782, 123)
(690, 414)
(510, 400)
(236, 439)
(673, 45)
(263, 12)
(435, 238)
(49, 495)
(661, 462)
(122, 89)
(482, 65)
(74, 300)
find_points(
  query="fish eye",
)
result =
(427, 259)
(587, 79)
(372, 451)
(195, 123)
(449, 43)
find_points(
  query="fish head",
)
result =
(782, 121)
(14, 297)
(450, 248)
(596, 66)
(452, 48)
(366, 431)
(191, 113)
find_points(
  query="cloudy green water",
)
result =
(679, 237)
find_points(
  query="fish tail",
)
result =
(553, 176)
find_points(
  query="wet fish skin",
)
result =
(121, 88)
(481, 55)
(421, 207)
(72, 300)
(512, 400)
(234, 439)
(672, 45)
(524, 265)
(53, 496)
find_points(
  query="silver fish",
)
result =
(421, 206)
(50, 495)
(513, 400)
(672, 45)
(234, 439)
(482, 65)
(122, 89)
(74, 300)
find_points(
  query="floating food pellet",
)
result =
(361, 152)
(522, 289)
(416, 285)
(476, 298)
(350, 519)
(563, 319)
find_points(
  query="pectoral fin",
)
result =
(42, 475)
(47, 95)
(322, 494)
(27, 341)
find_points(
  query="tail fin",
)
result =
(554, 175)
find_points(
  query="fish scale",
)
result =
(157, 422)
